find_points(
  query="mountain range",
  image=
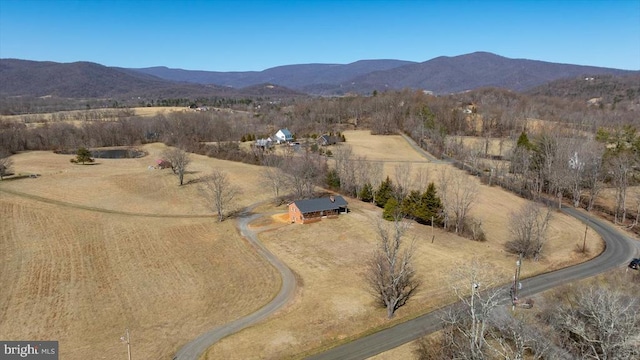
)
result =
(441, 75)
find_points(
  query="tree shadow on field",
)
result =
(195, 180)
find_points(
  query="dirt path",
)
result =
(422, 152)
(194, 349)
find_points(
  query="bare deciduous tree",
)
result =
(345, 167)
(274, 176)
(513, 338)
(569, 169)
(304, 173)
(599, 323)
(621, 166)
(594, 173)
(219, 192)
(479, 327)
(461, 191)
(544, 161)
(528, 229)
(637, 218)
(179, 160)
(404, 180)
(362, 170)
(443, 178)
(467, 325)
(390, 272)
(421, 179)
(375, 171)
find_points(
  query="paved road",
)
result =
(618, 252)
(197, 347)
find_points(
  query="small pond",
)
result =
(117, 153)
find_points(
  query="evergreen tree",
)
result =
(83, 155)
(333, 179)
(523, 141)
(432, 206)
(366, 193)
(391, 209)
(384, 192)
(411, 205)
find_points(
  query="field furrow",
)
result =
(81, 275)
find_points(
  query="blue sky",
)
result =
(239, 35)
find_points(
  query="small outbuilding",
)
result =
(306, 211)
(264, 143)
(326, 140)
(163, 164)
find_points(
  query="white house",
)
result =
(283, 136)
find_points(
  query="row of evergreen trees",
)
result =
(424, 207)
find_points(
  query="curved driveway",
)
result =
(618, 252)
(194, 349)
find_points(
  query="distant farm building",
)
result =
(264, 143)
(163, 164)
(283, 136)
(306, 211)
(326, 140)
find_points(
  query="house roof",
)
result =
(320, 204)
(327, 139)
(285, 132)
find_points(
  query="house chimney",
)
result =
(332, 199)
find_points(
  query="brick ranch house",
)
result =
(306, 211)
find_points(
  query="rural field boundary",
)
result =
(101, 210)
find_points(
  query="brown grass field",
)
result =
(33, 120)
(86, 251)
(333, 303)
(76, 269)
(147, 111)
(497, 146)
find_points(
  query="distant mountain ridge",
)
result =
(292, 76)
(441, 75)
(91, 80)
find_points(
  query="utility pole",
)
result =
(516, 283)
(584, 241)
(127, 340)
(433, 237)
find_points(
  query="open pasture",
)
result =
(333, 303)
(77, 117)
(87, 251)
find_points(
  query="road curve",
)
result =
(618, 251)
(194, 349)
